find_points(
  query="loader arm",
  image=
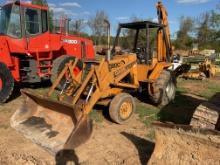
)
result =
(105, 80)
(64, 124)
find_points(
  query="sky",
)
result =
(122, 10)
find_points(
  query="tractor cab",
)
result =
(18, 20)
(141, 38)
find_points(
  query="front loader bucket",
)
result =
(51, 124)
(184, 145)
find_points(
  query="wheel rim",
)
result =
(1, 84)
(125, 110)
(170, 90)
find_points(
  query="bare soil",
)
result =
(14, 149)
(110, 144)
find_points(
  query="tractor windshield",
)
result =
(10, 23)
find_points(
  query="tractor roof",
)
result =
(140, 25)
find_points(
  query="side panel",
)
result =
(9, 46)
(71, 45)
(5, 56)
(39, 43)
(79, 47)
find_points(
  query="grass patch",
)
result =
(210, 91)
(205, 89)
(151, 135)
(147, 113)
(44, 91)
(96, 116)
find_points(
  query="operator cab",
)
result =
(139, 38)
(23, 19)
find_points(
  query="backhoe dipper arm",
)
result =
(163, 19)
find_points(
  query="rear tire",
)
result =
(165, 85)
(122, 108)
(58, 66)
(7, 83)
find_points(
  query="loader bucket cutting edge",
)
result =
(51, 124)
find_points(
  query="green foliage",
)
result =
(96, 116)
(98, 26)
(184, 40)
(77, 26)
(210, 90)
(203, 30)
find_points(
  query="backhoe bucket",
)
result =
(185, 145)
(54, 125)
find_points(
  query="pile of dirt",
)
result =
(183, 145)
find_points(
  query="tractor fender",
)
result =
(157, 71)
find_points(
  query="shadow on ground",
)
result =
(181, 110)
(16, 92)
(145, 148)
(65, 157)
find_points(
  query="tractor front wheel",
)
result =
(58, 66)
(6, 83)
(121, 108)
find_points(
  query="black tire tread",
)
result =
(57, 63)
(5, 94)
(160, 98)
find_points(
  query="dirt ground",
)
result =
(110, 143)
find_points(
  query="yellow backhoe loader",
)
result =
(64, 123)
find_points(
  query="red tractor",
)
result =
(29, 52)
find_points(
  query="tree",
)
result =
(98, 26)
(204, 31)
(184, 35)
(208, 34)
(77, 26)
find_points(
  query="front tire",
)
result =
(6, 83)
(122, 108)
(58, 66)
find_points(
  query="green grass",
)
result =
(211, 89)
(147, 113)
(44, 91)
(151, 134)
(204, 89)
(96, 116)
(178, 112)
